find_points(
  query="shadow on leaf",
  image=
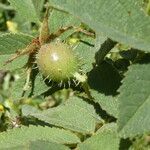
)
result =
(104, 79)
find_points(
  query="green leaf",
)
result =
(28, 110)
(20, 136)
(117, 19)
(45, 145)
(17, 87)
(26, 9)
(134, 101)
(106, 138)
(35, 145)
(39, 85)
(14, 65)
(23, 26)
(13, 147)
(107, 103)
(87, 53)
(75, 114)
(5, 7)
(105, 48)
(36, 88)
(10, 43)
(59, 19)
(38, 5)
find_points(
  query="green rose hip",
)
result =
(57, 61)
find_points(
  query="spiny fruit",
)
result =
(57, 61)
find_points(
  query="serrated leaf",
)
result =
(134, 101)
(26, 9)
(39, 85)
(47, 146)
(59, 19)
(20, 136)
(10, 43)
(106, 139)
(105, 48)
(28, 110)
(38, 5)
(22, 25)
(75, 115)
(117, 19)
(13, 147)
(87, 52)
(17, 87)
(35, 145)
(109, 127)
(14, 65)
(107, 103)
